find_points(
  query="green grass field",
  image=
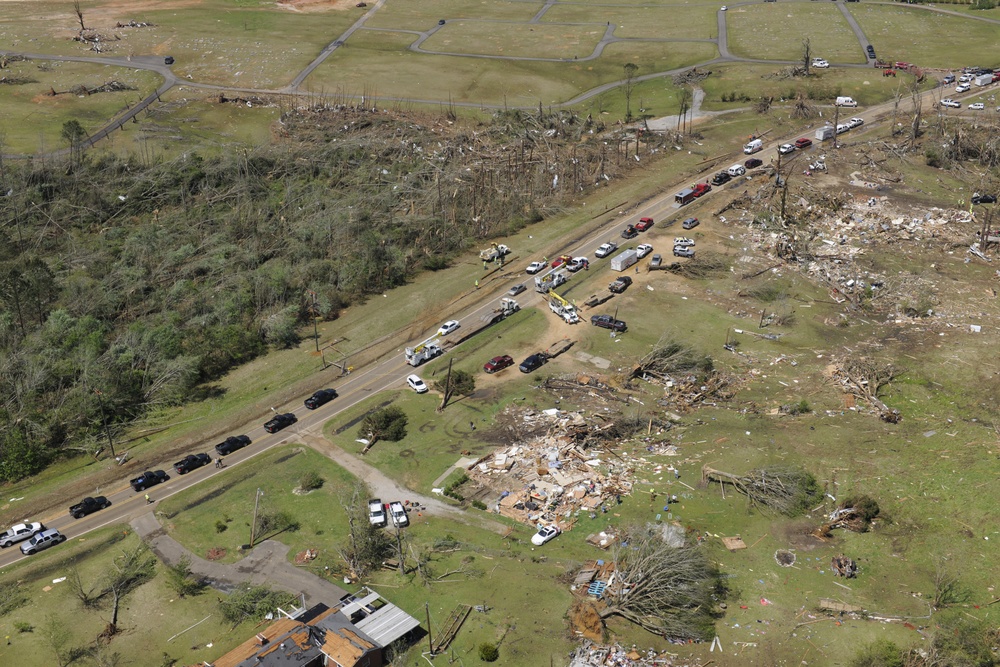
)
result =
(766, 31)
(641, 22)
(944, 40)
(149, 618)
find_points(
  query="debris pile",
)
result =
(864, 378)
(552, 477)
(844, 567)
(591, 654)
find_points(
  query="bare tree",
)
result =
(918, 108)
(683, 103)
(130, 570)
(806, 55)
(630, 70)
(79, 14)
(662, 588)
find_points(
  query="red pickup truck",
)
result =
(701, 188)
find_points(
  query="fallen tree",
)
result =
(783, 489)
(664, 589)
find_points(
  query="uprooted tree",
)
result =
(865, 378)
(128, 571)
(388, 423)
(784, 489)
(666, 589)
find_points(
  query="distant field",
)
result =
(514, 40)
(945, 41)
(776, 32)
(31, 105)
(395, 72)
(424, 16)
(650, 22)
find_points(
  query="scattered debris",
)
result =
(844, 567)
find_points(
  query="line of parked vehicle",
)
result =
(379, 513)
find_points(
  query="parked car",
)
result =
(949, 78)
(560, 260)
(535, 267)
(683, 242)
(871, 51)
(532, 363)
(681, 251)
(320, 398)
(516, 289)
(644, 224)
(398, 513)
(169, 60)
(608, 322)
(416, 384)
(148, 479)
(948, 102)
(231, 444)
(19, 533)
(690, 223)
(656, 260)
(819, 63)
(498, 363)
(843, 127)
(785, 149)
(963, 88)
(192, 462)
(42, 540)
(977, 106)
(577, 263)
(448, 327)
(88, 506)
(279, 422)
(620, 284)
(721, 178)
(376, 512)
(642, 250)
(803, 142)
(544, 534)
(701, 189)
(984, 199)
(630, 232)
(753, 163)
(606, 249)
(856, 122)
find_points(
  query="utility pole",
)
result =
(430, 644)
(312, 312)
(253, 524)
(104, 418)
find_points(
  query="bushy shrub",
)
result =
(488, 652)
(311, 481)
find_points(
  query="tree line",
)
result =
(126, 283)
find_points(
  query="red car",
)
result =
(498, 363)
(560, 260)
(701, 189)
(644, 224)
(803, 143)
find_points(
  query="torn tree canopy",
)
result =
(669, 359)
(865, 378)
(787, 490)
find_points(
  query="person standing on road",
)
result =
(148, 499)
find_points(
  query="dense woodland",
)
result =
(126, 284)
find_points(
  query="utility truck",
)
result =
(563, 308)
(551, 280)
(425, 351)
(494, 252)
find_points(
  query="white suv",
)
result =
(43, 540)
(376, 512)
(416, 384)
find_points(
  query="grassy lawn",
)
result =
(776, 31)
(542, 41)
(641, 22)
(821, 87)
(149, 618)
(32, 105)
(195, 517)
(891, 30)
(424, 16)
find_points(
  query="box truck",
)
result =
(824, 133)
(624, 260)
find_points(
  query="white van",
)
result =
(754, 146)
(736, 170)
(846, 102)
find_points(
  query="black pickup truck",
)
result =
(88, 506)
(148, 479)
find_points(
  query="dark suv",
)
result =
(321, 397)
(532, 363)
(279, 422)
(608, 322)
(753, 163)
(231, 444)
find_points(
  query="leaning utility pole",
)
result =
(253, 524)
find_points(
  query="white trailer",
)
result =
(983, 80)
(825, 132)
(624, 260)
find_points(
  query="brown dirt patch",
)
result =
(216, 553)
(586, 621)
